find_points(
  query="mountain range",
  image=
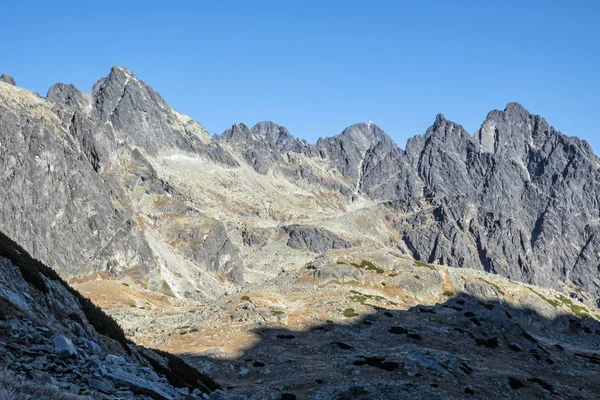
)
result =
(87, 171)
(138, 207)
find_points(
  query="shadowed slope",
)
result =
(462, 347)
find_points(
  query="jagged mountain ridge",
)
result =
(499, 200)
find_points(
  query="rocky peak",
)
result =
(347, 150)
(364, 135)
(278, 138)
(510, 131)
(269, 129)
(237, 133)
(68, 95)
(272, 133)
(442, 136)
(8, 79)
(440, 120)
(445, 130)
(142, 117)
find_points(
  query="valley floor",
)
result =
(375, 325)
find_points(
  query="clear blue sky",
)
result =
(319, 66)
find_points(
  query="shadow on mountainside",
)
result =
(462, 348)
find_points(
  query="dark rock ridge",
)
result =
(64, 346)
(143, 119)
(518, 199)
(68, 95)
(266, 142)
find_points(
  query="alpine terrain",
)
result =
(262, 266)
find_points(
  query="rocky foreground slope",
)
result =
(55, 344)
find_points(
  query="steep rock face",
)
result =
(262, 145)
(143, 119)
(139, 113)
(386, 175)
(518, 199)
(347, 150)
(57, 193)
(81, 201)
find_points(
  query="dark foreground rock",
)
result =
(54, 342)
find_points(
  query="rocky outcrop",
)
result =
(346, 151)
(74, 195)
(314, 239)
(8, 79)
(262, 145)
(70, 96)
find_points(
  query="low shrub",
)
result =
(34, 271)
(181, 374)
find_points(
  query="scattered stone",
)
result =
(398, 330)
(63, 346)
(285, 336)
(515, 383)
(542, 383)
(343, 345)
(101, 385)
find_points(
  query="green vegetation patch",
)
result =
(246, 298)
(361, 298)
(576, 309)
(277, 312)
(581, 293)
(494, 285)
(553, 303)
(349, 313)
(562, 300)
(369, 266)
(423, 264)
(448, 293)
